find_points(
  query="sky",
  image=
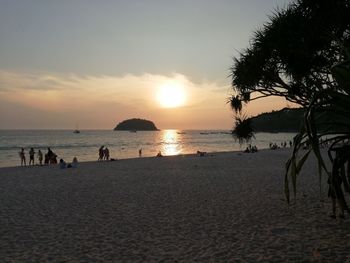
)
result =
(97, 63)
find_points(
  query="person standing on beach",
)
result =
(100, 153)
(106, 154)
(140, 152)
(40, 157)
(23, 157)
(31, 156)
(49, 153)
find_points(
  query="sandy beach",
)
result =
(223, 207)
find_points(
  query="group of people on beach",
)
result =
(63, 165)
(103, 154)
(251, 149)
(274, 146)
(50, 157)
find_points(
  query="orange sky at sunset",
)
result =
(97, 63)
(103, 101)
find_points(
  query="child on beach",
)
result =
(31, 156)
(23, 157)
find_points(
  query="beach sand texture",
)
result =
(224, 207)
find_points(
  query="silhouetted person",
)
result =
(49, 154)
(40, 157)
(201, 154)
(100, 153)
(31, 156)
(46, 160)
(22, 155)
(140, 152)
(106, 154)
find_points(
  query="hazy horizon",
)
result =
(99, 63)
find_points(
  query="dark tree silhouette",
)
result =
(243, 131)
(302, 54)
(292, 54)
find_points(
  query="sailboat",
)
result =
(76, 130)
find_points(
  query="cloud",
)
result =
(42, 90)
(105, 97)
(100, 101)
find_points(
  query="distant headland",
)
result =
(285, 120)
(136, 125)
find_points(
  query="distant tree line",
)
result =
(285, 120)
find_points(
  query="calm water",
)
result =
(122, 144)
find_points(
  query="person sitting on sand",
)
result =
(273, 146)
(75, 162)
(159, 154)
(201, 154)
(254, 149)
(62, 164)
(23, 157)
(251, 149)
(31, 156)
(248, 149)
(40, 157)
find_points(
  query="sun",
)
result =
(171, 95)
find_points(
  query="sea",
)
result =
(124, 144)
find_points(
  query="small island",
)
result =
(136, 125)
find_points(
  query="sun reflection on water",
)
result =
(171, 142)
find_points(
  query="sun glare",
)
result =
(171, 95)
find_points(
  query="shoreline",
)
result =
(121, 145)
(145, 157)
(218, 208)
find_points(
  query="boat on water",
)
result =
(76, 128)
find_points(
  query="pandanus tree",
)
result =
(291, 56)
(326, 122)
(302, 54)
